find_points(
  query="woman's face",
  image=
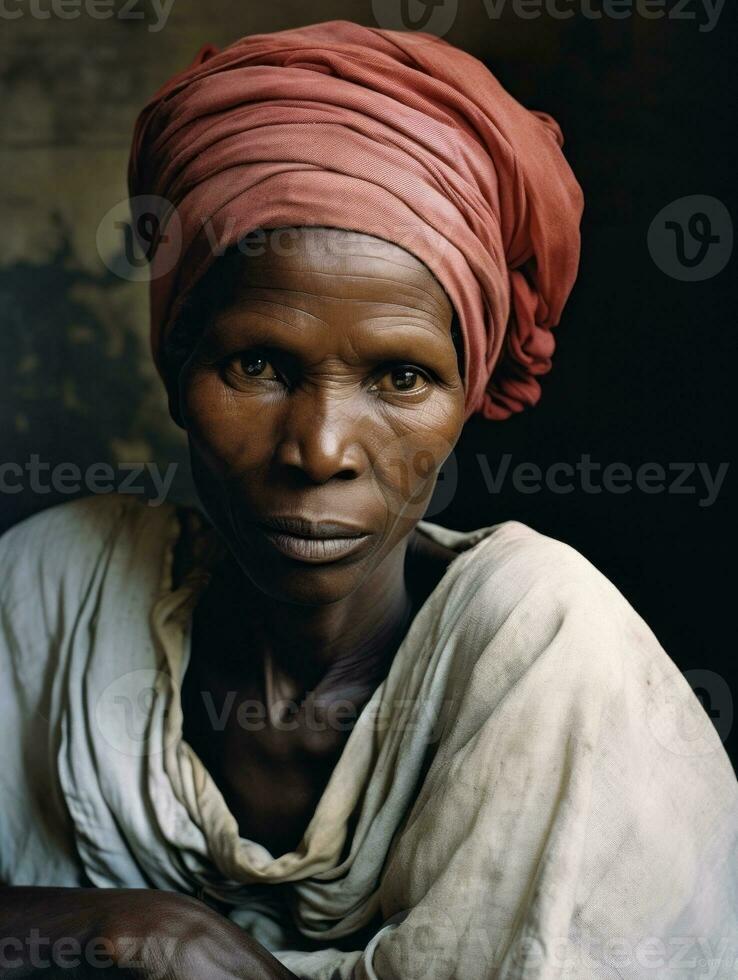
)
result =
(326, 387)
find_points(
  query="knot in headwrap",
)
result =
(395, 134)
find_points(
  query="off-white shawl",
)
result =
(539, 792)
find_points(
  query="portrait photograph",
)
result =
(366, 490)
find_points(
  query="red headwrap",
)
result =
(391, 133)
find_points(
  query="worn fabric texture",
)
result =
(396, 134)
(538, 793)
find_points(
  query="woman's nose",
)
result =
(322, 436)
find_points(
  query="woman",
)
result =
(311, 734)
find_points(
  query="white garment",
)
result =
(539, 792)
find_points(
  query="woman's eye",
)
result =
(403, 378)
(252, 364)
(257, 365)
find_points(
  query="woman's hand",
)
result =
(215, 949)
(138, 933)
(192, 942)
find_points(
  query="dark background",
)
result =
(643, 371)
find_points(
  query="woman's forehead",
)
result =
(341, 264)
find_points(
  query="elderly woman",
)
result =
(305, 732)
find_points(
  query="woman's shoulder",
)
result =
(521, 597)
(85, 569)
(536, 558)
(60, 549)
(517, 562)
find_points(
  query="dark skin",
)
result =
(325, 384)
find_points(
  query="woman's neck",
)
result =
(338, 651)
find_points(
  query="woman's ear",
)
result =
(458, 339)
(178, 349)
(174, 410)
(174, 395)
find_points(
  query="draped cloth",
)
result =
(537, 791)
(395, 134)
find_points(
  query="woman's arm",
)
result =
(142, 933)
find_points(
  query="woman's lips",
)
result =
(314, 550)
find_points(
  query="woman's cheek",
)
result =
(226, 427)
(406, 464)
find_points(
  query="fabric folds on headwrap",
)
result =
(395, 134)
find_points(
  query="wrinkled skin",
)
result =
(324, 423)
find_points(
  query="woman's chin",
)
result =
(306, 572)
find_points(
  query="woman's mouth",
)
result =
(313, 540)
(313, 549)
